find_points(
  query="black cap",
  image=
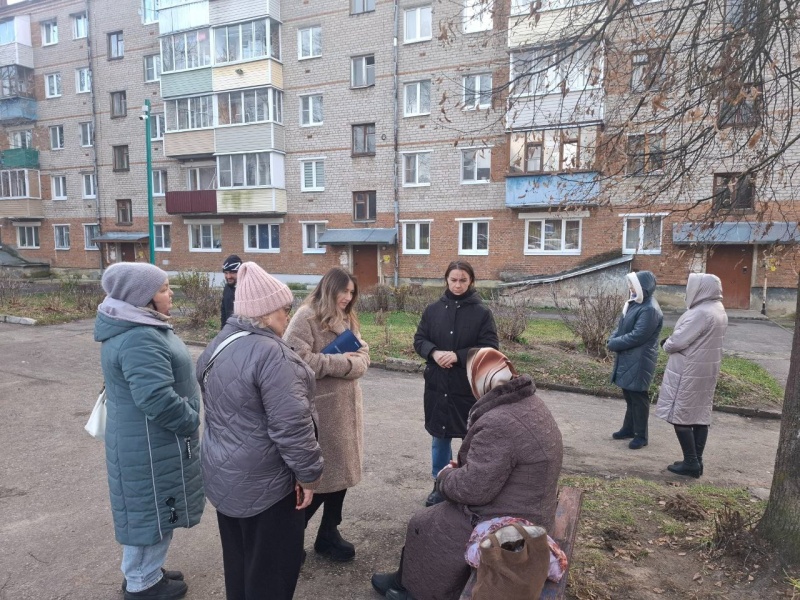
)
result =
(232, 264)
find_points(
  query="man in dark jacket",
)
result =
(636, 343)
(230, 270)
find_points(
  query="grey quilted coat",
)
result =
(259, 436)
(695, 354)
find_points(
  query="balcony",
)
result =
(17, 110)
(192, 202)
(16, 53)
(552, 189)
(20, 158)
(19, 208)
(249, 201)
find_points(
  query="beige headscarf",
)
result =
(486, 369)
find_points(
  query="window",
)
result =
(311, 110)
(417, 238)
(188, 50)
(80, 26)
(20, 139)
(553, 150)
(49, 33)
(364, 139)
(14, 183)
(121, 161)
(250, 106)
(119, 104)
(16, 81)
(58, 186)
(733, 192)
(116, 45)
(205, 237)
(245, 41)
(476, 165)
(163, 236)
(83, 80)
(312, 178)
(740, 105)
(52, 85)
(202, 178)
(418, 24)
(61, 234)
(648, 70)
(362, 71)
(89, 185)
(417, 98)
(477, 15)
(473, 237)
(57, 137)
(311, 233)
(416, 169)
(244, 170)
(90, 232)
(152, 68)
(364, 206)
(189, 113)
(361, 6)
(124, 212)
(553, 236)
(159, 182)
(559, 70)
(87, 134)
(158, 127)
(645, 153)
(7, 34)
(262, 237)
(149, 11)
(28, 236)
(642, 234)
(745, 14)
(309, 42)
(477, 91)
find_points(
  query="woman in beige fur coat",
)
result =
(327, 312)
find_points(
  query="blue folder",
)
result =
(344, 342)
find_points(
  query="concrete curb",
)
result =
(17, 320)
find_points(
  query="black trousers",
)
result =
(332, 503)
(637, 412)
(262, 554)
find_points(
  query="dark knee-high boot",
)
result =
(689, 467)
(700, 437)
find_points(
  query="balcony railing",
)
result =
(192, 202)
(17, 110)
(20, 158)
(552, 189)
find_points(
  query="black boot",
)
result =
(689, 467)
(626, 431)
(700, 437)
(383, 582)
(434, 497)
(330, 544)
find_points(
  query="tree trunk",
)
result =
(781, 521)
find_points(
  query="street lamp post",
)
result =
(149, 152)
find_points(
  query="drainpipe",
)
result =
(93, 150)
(396, 180)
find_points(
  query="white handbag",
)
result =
(96, 425)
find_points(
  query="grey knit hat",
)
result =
(134, 283)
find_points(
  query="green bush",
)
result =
(201, 300)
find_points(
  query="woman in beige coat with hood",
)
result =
(327, 312)
(695, 354)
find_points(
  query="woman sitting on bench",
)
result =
(508, 465)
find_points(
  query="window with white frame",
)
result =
(20, 139)
(365, 206)
(80, 26)
(311, 234)
(7, 32)
(189, 113)
(244, 170)
(311, 110)
(61, 235)
(417, 237)
(477, 91)
(83, 80)
(152, 68)
(642, 234)
(362, 71)
(202, 178)
(309, 42)
(246, 41)
(416, 169)
(312, 175)
(549, 69)
(478, 15)
(158, 126)
(186, 50)
(56, 137)
(361, 6)
(90, 232)
(89, 185)
(14, 183)
(52, 85)
(417, 95)
(249, 106)
(163, 236)
(28, 236)
(553, 150)
(476, 165)
(552, 236)
(262, 237)
(87, 134)
(473, 237)
(116, 45)
(149, 11)
(159, 182)
(418, 24)
(49, 33)
(58, 186)
(205, 237)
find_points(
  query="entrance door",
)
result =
(732, 265)
(128, 252)
(365, 266)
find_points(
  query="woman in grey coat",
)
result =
(152, 443)
(695, 354)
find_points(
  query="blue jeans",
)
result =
(441, 454)
(142, 565)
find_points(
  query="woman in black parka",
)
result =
(448, 329)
